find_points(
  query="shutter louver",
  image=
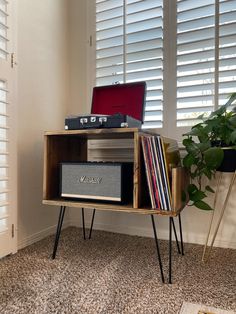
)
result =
(227, 49)
(4, 125)
(195, 59)
(3, 158)
(3, 29)
(129, 48)
(197, 68)
(109, 42)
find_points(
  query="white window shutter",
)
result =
(206, 57)
(195, 59)
(3, 29)
(227, 49)
(4, 225)
(129, 48)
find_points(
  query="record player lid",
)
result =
(127, 99)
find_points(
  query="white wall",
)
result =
(78, 56)
(195, 221)
(79, 102)
(42, 100)
(52, 82)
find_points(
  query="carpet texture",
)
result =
(112, 273)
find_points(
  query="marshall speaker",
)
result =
(97, 181)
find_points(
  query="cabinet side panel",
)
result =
(45, 168)
(137, 171)
(60, 149)
(180, 182)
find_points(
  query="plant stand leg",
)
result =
(222, 212)
(157, 247)
(212, 216)
(170, 249)
(181, 235)
(58, 233)
(176, 238)
(91, 227)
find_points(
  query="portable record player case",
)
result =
(113, 106)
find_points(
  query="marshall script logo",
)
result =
(89, 180)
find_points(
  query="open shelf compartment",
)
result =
(72, 146)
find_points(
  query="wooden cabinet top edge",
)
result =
(94, 131)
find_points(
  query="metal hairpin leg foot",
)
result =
(58, 233)
(170, 248)
(158, 250)
(176, 238)
(83, 224)
(181, 235)
(91, 227)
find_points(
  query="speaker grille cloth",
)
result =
(76, 180)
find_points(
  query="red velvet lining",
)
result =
(121, 98)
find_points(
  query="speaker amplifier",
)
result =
(98, 181)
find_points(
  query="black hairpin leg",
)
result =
(170, 248)
(58, 233)
(83, 224)
(181, 236)
(158, 250)
(176, 238)
(91, 227)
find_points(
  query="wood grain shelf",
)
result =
(98, 133)
(72, 146)
(111, 207)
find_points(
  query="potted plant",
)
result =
(210, 146)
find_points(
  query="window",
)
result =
(8, 178)
(3, 29)
(129, 41)
(206, 51)
(184, 49)
(227, 49)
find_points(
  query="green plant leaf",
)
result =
(223, 108)
(196, 126)
(232, 98)
(233, 137)
(232, 120)
(213, 157)
(201, 117)
(192, 188)
(195, 131)
(187, 141)
(209, 189)
(204, 146)
(207, 173)
(202, 205)
(218, 112)
(192, 148)
(188, 161)
(197, 196)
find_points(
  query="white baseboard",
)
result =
(130, 230)
(162, 234)
(35, 237)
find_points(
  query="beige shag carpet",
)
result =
(111, 274)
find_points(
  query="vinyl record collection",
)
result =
(161, 155)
